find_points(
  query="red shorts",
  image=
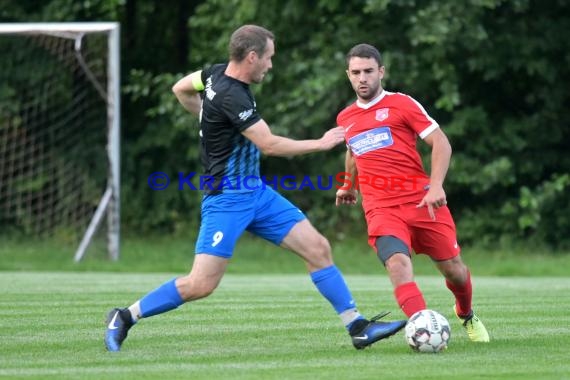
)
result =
(435, 238)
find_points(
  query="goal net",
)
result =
(59, 132)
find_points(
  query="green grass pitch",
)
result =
(272, 327)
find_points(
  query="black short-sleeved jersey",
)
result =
(228, 108)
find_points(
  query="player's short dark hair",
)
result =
(248, 38)
(364, 51)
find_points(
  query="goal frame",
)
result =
(109, 203)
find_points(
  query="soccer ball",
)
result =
(428, 331)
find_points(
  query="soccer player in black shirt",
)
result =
(233, 135)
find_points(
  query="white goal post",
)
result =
(28, 127)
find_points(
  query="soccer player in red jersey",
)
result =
(406, 209)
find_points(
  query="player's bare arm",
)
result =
(440, 157)
(186, 91)
(273, 145)
(348, 195)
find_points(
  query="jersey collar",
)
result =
(372, 102)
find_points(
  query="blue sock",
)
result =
(160, 300)
(331, 285)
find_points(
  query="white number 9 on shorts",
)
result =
(217, 238)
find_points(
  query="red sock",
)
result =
(463, 295)
(410, 298)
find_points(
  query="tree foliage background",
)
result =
(494, 74)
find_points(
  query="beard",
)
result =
(368, 93)
(258, 77)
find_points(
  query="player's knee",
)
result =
(319, 251)
(398, 264)
(323, 248)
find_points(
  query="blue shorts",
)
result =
(225, 217)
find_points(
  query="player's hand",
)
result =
(434, 199)
(332, 138)
(346, 197)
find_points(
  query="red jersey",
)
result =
(382, 136)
